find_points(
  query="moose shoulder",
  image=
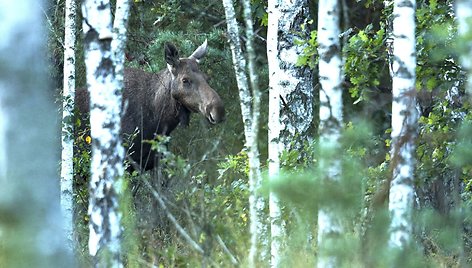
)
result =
(156, 103)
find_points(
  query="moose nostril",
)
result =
(211, 118)
(215, 113)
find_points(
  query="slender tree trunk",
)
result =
(118, 45)
(67, 172)
(290, 98)
(256, 202)
(464, 17)
(404, 123)
(31, 226)
(250, 113)
(274, 130)
(331, 119)
(105, 120)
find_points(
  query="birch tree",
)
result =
(118, 44)
(404, 123)
(67, 172)
(250, 111)
(290, 98)
(31, 230)
(464, 19)
(274, 128)
(105, 120)
(331, 118)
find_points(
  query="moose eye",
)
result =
(186, 81)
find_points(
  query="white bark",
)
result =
(404, 123)
(239, 64)
(274, 130)
(67, 172)
(290, 98)
(295, 83)
(118, 44)
(105, 120)
(331, 118)
(256, 202)
(250, 113)
(463, 12)
(31, 230)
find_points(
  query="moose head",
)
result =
(189, 85)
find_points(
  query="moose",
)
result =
(156, 103)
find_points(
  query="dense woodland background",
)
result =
(204, 176)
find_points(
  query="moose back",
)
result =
(156, 103)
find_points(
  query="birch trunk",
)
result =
(105, 120)
(464, 17)
(290, 99)
(67, 172)
(295, 83)
(274, 130)
(331, 119)
(31, 229)
(250, 113)
(118, 44)
(256, 202)
(404, 123)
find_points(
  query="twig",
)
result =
(189, 216)
(171, 217)
(225, 249)
(51, 27)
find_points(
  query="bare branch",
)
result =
(171, 217)
(225, 249)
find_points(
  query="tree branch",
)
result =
(171, 217)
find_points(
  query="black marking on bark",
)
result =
(332, 51)
(90, 36)
(103, 6)
(406, 3)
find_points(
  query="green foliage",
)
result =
(211, 214)
(309, 57)
(365, 64)
(364, 241)
(173, 165)
(436, 48)
(461, 157)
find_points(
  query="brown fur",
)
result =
(156, 103)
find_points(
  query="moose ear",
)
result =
(171, 54)
(200, 52)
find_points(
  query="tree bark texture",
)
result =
(107, 150)
(331, 119)
(274, 130)
(256, 201)
(250, 113)
(290, 97)
(31, 229)
(295, 83)
(118, 43)
(404, 124)
(67, 172)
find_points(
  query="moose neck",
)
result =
(168, 113)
